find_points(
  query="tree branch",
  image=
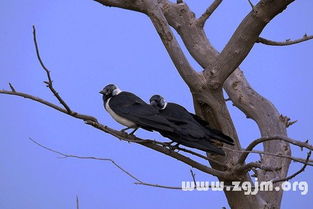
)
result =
(160, 148)
(249, 166)
(154, 10)
(202, 156)
(49, 82)
(283, 43)
(135, 5)
(138, 181)
(296, 173)
(243, 40)
(201, 21)
(86, 158)
(90, 120)
(283, 138)
(158, 185)
(49, 104)
(295, 159)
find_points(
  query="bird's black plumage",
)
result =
(191, 124)
(129, 110)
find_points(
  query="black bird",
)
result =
(132, 112)
(191, 123)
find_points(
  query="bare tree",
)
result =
(220, 71)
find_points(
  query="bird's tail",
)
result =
(218, 135)
(204, 146)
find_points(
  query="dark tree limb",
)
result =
(283, 43)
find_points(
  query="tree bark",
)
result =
(221, 71)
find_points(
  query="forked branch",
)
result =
(300, 144)
(242, 41)
(295, 159)
(49, 82)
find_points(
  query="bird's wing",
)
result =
(214, 133)
(133, 108)
(181, 117)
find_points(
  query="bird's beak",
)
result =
(101, 92)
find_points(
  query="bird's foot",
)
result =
(168, 144)
(132, 133)
(176, 146)
(124, 130)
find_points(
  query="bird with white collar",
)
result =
(131, 111)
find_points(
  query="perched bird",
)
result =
(132, 112)
(190, 123)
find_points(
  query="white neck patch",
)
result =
(116, 91)
(165, 104)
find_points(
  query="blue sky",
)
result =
(87, 46)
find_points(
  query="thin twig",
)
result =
(201, 21)
(296, 173)
(283, 43)
(158, 185)
(86, 158)
(49, 104)
(49, 82)
(64, 155)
